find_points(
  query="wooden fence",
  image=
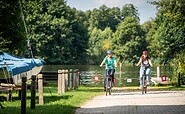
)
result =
(67, 79)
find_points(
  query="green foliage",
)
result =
(179, 66)
(12, 32)
(104, 22)
(171, 27)
(168, 35)
(57, 36)
(104, 17)
(128, 40)
(129, 10)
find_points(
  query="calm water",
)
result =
(127, 76)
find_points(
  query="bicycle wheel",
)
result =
(107, 80)
(110, 85)
(142, 87)
(145, 85)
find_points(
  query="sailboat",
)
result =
(17, 67)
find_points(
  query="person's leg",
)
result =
(141, 72)
(148, 70)
(112, 71)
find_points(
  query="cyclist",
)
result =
(146, 63)
(110, 63)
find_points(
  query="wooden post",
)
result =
(77, 78)
(63, 81)
(66, 80)
(9, 95)
(59, 82)
(71, 78)
(158, 71)
(74, 79)
(19, 94)
(23, 95)
(40, 89)
(33, 92)
(178, 83)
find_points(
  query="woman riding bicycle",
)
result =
(146, 64)
(110, 63)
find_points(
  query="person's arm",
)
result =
(150, 63)
(103, 62)
(140, 60)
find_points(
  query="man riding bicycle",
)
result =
(110, 63)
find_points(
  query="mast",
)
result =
(28, 41)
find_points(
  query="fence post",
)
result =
(23, 95)
(66, 80)
(158, 71)
(40, 89)
(74, 79)
(63, 81)
(77, 78)
(71, 78)
(59, 82)
(178, 83)
(33, 92)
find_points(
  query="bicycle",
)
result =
(109, 83)
(144, 83)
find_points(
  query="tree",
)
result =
(171, 27)
(104, 17)
(129, 10)
(57, 35)
(128, 40)
(12, 32)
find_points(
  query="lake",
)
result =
(127, 76)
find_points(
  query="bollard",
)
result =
(63, 81)
(40, 89)
(158, 71)
(178, 83)
(33, 92)
(59, 82)
(23, 95)
(71, 79)
(74, 80)
(66, 80)
(77, 78)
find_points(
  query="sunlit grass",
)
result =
(53, 103)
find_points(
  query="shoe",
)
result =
(147, 83)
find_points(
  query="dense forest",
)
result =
(59, 34)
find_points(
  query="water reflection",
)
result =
(127, 76)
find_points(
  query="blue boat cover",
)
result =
(17, 65)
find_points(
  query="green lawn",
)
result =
(53, 103)
(63, 104)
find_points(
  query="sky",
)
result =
(146, 11)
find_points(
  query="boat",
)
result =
(17, 67)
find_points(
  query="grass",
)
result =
(53, 103)
(63, 104)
